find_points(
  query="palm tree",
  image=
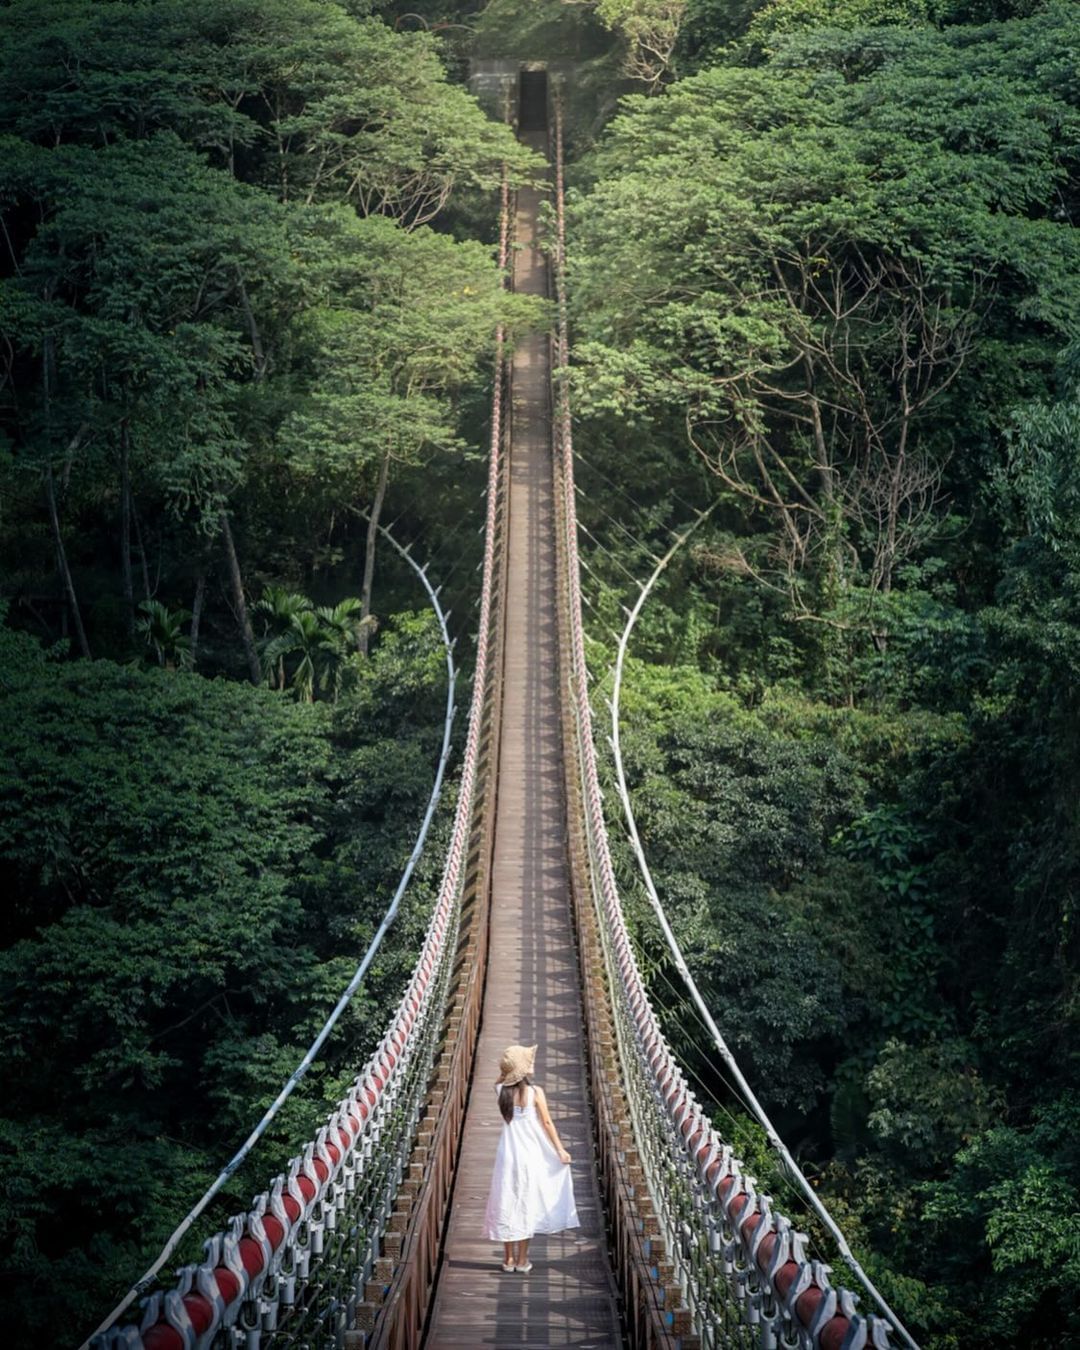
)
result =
(303, 637)
(323, 638)
(345, 628)
(281, 607)
(163, 630)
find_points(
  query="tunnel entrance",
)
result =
(532, 100)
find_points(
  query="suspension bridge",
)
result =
(371, 1237)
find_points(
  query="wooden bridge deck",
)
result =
(532, 989)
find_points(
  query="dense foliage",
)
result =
(247, 299)
(825, 275)
(847, 322)
(192, 868)
(226, 318)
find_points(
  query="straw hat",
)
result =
(516, 1062)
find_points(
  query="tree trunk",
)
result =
(826, 472)
(257, 348)
(369, 550)
(236, 581)
(142, 554)
(62, 563)
(196, 614)
(125, 529)
(895, 492)
(47, 359)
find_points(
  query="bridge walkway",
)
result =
(533, 991)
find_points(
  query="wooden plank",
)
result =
(532, 989)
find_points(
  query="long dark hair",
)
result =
(507, 1095)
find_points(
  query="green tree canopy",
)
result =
(821, 262)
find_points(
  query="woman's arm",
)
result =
(549, 1126)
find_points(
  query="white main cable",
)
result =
(680, 963)
(143, 1284)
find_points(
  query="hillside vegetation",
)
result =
(825, 278)
(228, 327)
(825, 285)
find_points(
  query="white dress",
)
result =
(531, 1190)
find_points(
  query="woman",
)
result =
(531, 1188)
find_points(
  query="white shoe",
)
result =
(523, 1270)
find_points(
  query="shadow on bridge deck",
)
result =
(532, 991)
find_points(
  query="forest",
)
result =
(824, 277)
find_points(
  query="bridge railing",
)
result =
(293, 1267)
(703, 1257)
(334, 1253)
(396, 1311)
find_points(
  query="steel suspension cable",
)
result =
(146, 1281)
(736, 1254)
(299, 1263)
(621, 489)
(706, 1016)
(705, 1050)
